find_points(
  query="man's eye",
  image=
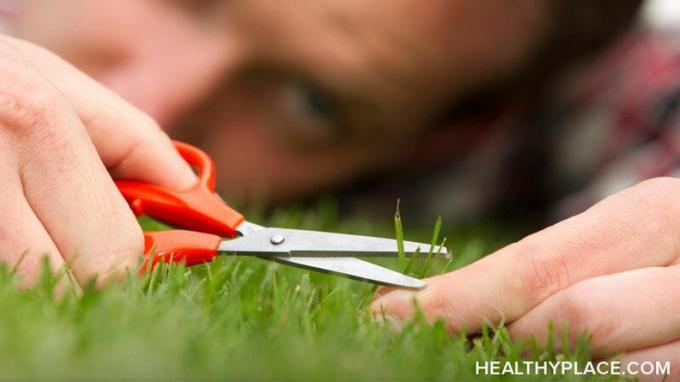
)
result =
(310, 114)
(311, 102)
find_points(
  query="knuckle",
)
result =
(149, 133)
(142, 140)
(438, 304)
(580, 309)
(146, 128)
(29, 109)
(574, 313)
(655, 206)
(540, 275)
(147, 123)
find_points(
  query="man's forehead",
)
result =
(373, 38)
(402, 55)
(407, 21)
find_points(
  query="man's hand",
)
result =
(59, 133)
(613, 271)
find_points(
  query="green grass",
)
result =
(246, 319)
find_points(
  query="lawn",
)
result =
(246, 319)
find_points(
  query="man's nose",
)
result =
(166, 76)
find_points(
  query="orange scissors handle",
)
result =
(198, 209)
(188, 247)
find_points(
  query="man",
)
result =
(292, 97)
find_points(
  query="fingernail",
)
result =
(397, 301)
(383, 290)
(389, 321)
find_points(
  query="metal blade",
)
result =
(294, 242)
(353, 268)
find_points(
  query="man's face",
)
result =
(291, 96)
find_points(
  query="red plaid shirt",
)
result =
(633, 96)
(607, 127)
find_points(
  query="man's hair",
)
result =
(580, 29)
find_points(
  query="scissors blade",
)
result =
(353, 268)
(303, 243)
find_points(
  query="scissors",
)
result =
(205, 219)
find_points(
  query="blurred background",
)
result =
(476, 110)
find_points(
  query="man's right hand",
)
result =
(62, 138)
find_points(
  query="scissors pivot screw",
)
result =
(277, 239)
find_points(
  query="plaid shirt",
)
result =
(626, 125)
(606, 128)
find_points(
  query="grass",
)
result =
(246, 319)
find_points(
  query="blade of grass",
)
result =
(245, 319)
(427, 265)
(16, 265)
(435, 234)
(399, 232)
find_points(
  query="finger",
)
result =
(621, 312)
(129, 142)
(635, 228)
(62, 177)
(23, 239)
(664, 353)
(75, 199)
